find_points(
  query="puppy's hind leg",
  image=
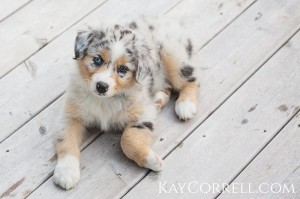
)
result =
(135, 143)
(67, 171)
(182, 77)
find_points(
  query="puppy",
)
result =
(124, 76)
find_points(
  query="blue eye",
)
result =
(98, 60)
(122, 69)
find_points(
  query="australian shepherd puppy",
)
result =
(124, 76)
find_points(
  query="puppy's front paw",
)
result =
(154, 162)
(185, 109)
(67, 172)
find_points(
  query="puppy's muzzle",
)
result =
(101, 87)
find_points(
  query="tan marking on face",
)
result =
(83, 69)
(121, 61)
(125, 82)
(135, 144)
(86, 72)
(105, 55)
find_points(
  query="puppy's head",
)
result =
(112, 60)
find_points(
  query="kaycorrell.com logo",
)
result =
(195, 187)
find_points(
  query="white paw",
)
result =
(67, 172)
(185, 109)
(154, 162)
(161, 98)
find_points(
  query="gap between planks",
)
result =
(214, 36)
(258, 153)
(13, 12)
(33, 116)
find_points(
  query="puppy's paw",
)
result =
(67, 172)
(154, 162)
(161, 98)
(185, 109)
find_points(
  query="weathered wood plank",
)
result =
(20, 156)
(34, 26)
(279, 163)
(218, 83)
(30, 151)
(225, 143)
(10, 6)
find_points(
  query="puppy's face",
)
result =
(111, 60)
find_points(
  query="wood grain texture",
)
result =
(35, 25)
(8, 7)
(219, 83)
(278, 163)
(225, 143)
(21, 155)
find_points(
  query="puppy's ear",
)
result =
(82, 42)
(143, 71)
(144, 63)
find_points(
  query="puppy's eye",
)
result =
(122, 69)
(98, 60)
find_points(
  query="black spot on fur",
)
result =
(133, 37)
(149, 125)
(125, 32)
(151, 83)
(139, 126)
(144, 125)
(103, 43)
(100, 34)
(117, 27)
(129, 51)
(151, 27)
(160, 51)
(187, 71)
(158, 65)
(133, 25)
(191, 79)
(189, 48)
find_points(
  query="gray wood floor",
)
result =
(243, 143)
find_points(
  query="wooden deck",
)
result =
(243, 143)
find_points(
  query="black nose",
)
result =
(102, 87)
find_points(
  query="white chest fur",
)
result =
(107, 113)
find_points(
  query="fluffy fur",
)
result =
(124, 76)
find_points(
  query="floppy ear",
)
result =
(144, 63)
(82, 42)
(143, 71)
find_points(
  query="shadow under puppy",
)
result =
(124, 76)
